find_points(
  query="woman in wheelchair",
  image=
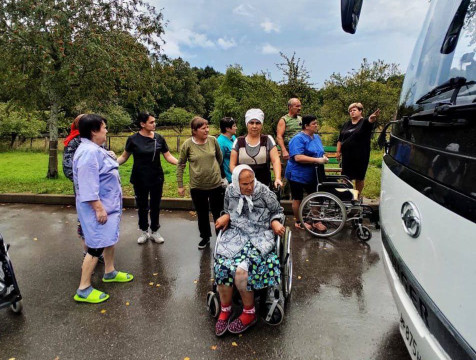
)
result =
(245, 253)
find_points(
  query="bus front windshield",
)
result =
(430, 68)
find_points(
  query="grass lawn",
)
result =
(25, 172)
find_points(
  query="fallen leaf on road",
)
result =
(103, 311)
(234, 344)
(307, 260)
(158, 285)
(212, 279)
(57, 358)
(35, 239)
(127, 303)
(12, 359)
(213, 347)
(195, 281)
(151, 283)
(186, 358)
(155, 274)
(299, 277)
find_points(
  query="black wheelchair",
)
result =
(270, 301)
(9, 290)
(334, 203)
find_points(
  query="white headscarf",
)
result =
(235, 182)
(254, 114)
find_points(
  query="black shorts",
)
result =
(297, 189)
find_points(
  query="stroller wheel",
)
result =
(278, 314)
(364, 234)
(17, 307)
(213, 305)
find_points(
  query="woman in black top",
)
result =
(147, 175)
(353, 144)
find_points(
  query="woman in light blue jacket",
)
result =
(245, 253)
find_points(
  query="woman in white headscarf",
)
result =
(245, 252)
(257, 150)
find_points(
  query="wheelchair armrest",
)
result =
(335, 184)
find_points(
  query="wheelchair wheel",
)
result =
(364, 233)
(278, 315)
(17, 307)
(213, 305)
(287, 263)
(324, 213)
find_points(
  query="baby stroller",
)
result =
(270, 301)
(9, 290)
(333, 204)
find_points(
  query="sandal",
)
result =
(120, 277)
(93, 298)
(300, 226)
(237, 327)
(320, 227)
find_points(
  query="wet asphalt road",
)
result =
(341, 306)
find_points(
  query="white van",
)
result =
(428, 197)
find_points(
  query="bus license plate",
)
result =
(409, 339)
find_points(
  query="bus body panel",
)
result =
(442, 258)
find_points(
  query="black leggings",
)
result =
(201, 201)
(142, 203)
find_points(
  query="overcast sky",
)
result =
(252, 33)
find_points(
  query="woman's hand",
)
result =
(322, 160)
(373, 117)
(338, 155)
(278, 228)
(222, 222)
(181, 191)
(278, 183)
(101, 216)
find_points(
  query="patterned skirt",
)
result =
(263, 271)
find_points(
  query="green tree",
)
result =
(17, 122)
(239, 92)
(296, 83)
(177, 85)
(375, 85)
(208, 86)
(56, 53)
(177, 118)
(117, 118)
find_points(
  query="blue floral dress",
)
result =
(250, 240)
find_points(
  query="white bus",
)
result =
(428, 197)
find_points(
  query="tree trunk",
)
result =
(13, 138)
(53, 142)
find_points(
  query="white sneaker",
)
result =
(143, 237)
(156, 237)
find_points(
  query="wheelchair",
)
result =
(9, 290)
(334, 203)
(271, 301)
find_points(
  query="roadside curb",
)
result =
(129, 201)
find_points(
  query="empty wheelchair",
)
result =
(270, 301)
(9, 290)
(334, 203)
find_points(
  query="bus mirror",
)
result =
(350, 12)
